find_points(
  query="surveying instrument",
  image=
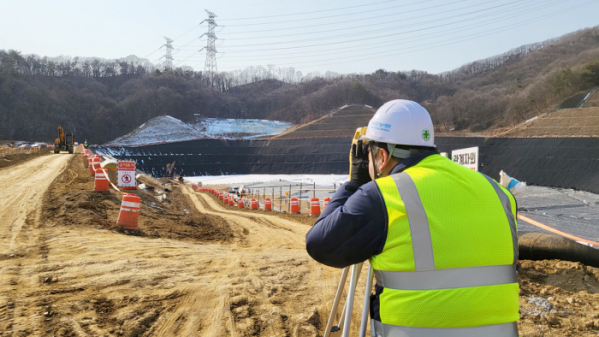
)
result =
(343, 327)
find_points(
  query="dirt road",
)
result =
(22, 189)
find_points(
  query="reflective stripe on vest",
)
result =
(497, 330)
(446, 278)
(421, 235)
(507, 207)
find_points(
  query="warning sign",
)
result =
(127, 175)
(466, 157)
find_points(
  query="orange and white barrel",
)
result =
(295, 205)
(240, 203)
(101, 183)
(129, 214)
(254, 204)
(93, 162)
(326, 201)
(314, 206)
(267, 204)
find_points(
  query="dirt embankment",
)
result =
(198, 268)
(16, 159)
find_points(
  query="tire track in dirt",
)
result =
(277, 233)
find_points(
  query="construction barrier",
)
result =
(326, 202)
(92, 162)
(254, 204)
(101, 182)
(226, 199)
(294, 205)
(231, 201)
(267, 204)
(129, 214)
(220, 196)
(314, 206)
(240, 203)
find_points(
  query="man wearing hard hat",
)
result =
(441, 238)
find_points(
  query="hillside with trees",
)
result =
(102, 99)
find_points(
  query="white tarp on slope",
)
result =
(169, 129)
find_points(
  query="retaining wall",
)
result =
(555, 162)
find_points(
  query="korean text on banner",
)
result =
(466, 157)
(126, 175)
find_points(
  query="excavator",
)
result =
(64, 142)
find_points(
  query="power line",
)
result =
(402, 51)
(394, 35)
(350, 21)
(303, 13)
(334, 16)
(369, 32)
(409, 39)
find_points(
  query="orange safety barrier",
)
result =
(129, 214)
(220, 196)
(240, 203)
(314, 206)
(94, 164)
(326, 201)
(226, 199)
(231, 201)
(295, 205)
(254, 204)
(101, 182)
(267, 204)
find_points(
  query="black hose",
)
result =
(544, 246)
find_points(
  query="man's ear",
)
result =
(384, 159)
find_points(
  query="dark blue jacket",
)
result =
(353, 226)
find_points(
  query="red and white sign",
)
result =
(126, 175)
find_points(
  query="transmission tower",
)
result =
(168, 64)
(210, 65)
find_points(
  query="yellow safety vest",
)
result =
(448, 267)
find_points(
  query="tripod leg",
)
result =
(366, 308)
(350, 298)
(327, 331)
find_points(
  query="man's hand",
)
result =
(358, 164)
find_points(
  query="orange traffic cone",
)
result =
(314, 206)
(267, 204)
(129, 215)
(294, 205)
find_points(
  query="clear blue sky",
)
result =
(311, 35)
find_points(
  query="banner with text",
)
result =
(466, 157)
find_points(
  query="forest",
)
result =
(100, 99)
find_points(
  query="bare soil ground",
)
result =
(195, 267)
(8, 160)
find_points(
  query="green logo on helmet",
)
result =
(426, 135)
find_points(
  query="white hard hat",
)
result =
(402, 122)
